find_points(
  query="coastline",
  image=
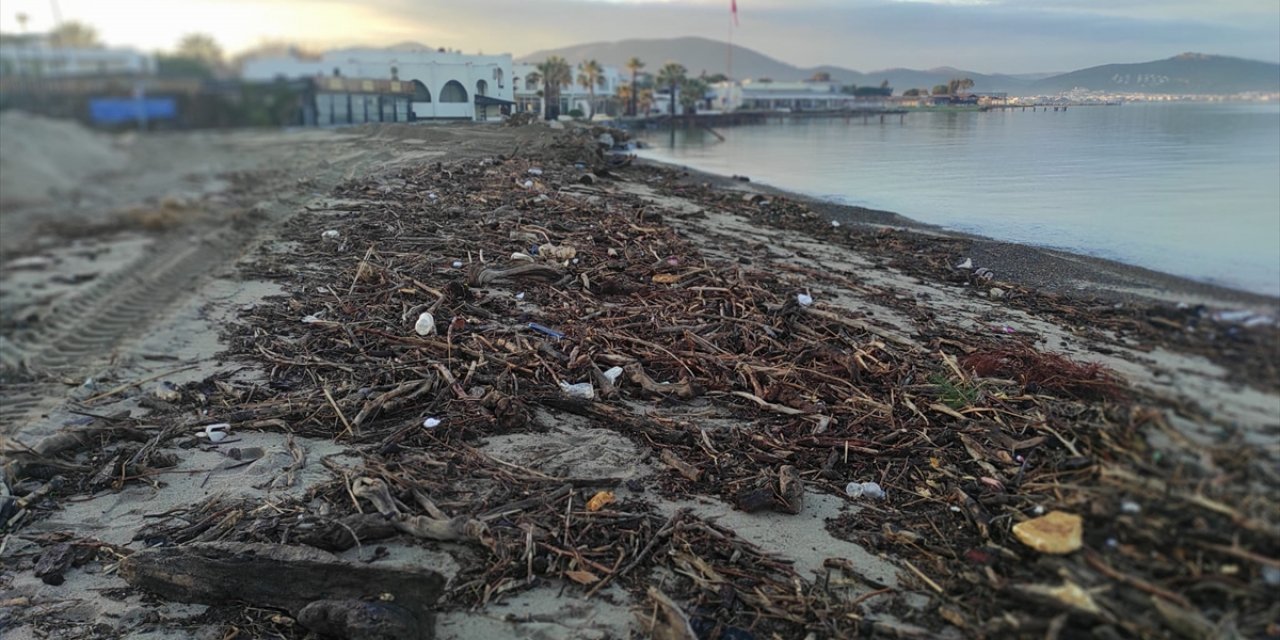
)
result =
(1047, 268)
(545, 266)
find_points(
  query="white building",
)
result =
(38, 58)
(755, 95)
(447, 84)
(529, 94)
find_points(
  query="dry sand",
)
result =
(129, 279)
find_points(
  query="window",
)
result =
(337, 72)
(395, 73)
(497, 76)
(482, 88)
(420, 92)
(453, 91)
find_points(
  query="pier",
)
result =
(735, 118)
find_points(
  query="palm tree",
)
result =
(590, 74)
(75, 35)
(634, 65)
(670, 76)
(692, 92)
(556, 73)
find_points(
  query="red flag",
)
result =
(733, 6)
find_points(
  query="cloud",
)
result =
(983, 35)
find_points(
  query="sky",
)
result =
(1010, 36)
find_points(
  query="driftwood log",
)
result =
(324, 593)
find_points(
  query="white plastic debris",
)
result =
(864, 489)
(580, 391)
(311, 319)
(535, 171)
(217, 432)
(1038, 510)
(528, 184)
(431, 423)
(835, 223)
(804, 299)
(432, 196)
(522, 257)
(426, 324)
(457, 264)
(967, 264)
(606, 140)
(1130, 507)
(330, 234)
(520, 296)
(995, 293)
(984, 274)
(613, 373)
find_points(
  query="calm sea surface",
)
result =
(1191, 189)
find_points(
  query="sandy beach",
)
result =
(509, 386)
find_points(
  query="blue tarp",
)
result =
(122, 110)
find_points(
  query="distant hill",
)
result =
(1186, 73)
(702, 54)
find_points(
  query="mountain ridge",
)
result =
(1190, 73)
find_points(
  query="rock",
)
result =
(995, 293)
(1055, 533)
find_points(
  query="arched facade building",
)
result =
(439, 84)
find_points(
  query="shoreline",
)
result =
(1026, 264)
(710, 468)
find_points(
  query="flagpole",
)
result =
(729, 69)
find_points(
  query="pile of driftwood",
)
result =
(433, 308)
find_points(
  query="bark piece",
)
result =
(787, 496)
(289, 578)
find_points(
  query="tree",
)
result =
(590, 74)
(671, 75)
(692, 92)
(200, 47)
(820, 76)
(957, 85)
(634, 65)
(556, 74)
(940, 90)
(75, 35)
(911, 93)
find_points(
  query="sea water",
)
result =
(1191, 189)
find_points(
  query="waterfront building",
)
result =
(766, 95)
(440, 85)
